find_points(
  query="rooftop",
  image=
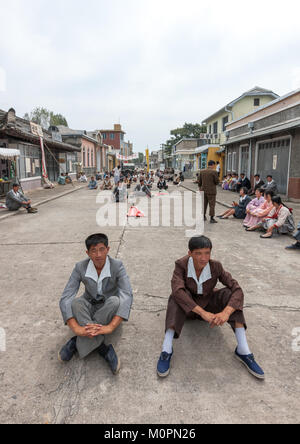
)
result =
(256, 91)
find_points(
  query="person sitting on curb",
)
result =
(15, 200)
(258, 184)
(82, 178)
(107, 185)
(280, 220)
(243, 182)
(257, 216)
(194, 296)
(239, 209)
(296, 246)
(106, 303)
(61, 179)
(68, 179)
(93, 184)
(271, 185)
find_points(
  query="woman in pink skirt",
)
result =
(258, 213)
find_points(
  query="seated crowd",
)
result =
(266, 212)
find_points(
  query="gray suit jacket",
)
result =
(118, 285)
(271, 186)
(13, 202)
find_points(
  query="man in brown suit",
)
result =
(208, 181)
(194, 296)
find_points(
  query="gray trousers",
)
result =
(86, 313)
(15, 206)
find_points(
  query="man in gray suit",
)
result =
(16, 200)
(103, 307)
(271, 185)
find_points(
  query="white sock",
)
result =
(243, 348)
(168, 342)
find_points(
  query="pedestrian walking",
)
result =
(208, 181)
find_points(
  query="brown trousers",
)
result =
(176, 316)
(211, 200)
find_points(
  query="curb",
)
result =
(43, 202)
(218, 202)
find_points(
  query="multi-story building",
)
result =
(248, 102)
(115, 138)
(267, 142)
(217, 123)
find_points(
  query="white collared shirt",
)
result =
(205, 275)
(91, 273)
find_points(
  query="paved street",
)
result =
(206, 384)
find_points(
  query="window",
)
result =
(112, 136)
(229, 163)
(104, 136)
(215, 131)
(224, 122)
(233, 169)
(83, 157)
(209, 129)
(256, 102)
(29, 161)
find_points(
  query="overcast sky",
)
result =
(152, 64)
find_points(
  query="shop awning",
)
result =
(6, 153)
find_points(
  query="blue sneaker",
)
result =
(251, 364)
(68, 350)
(163, 366)
(111, 357)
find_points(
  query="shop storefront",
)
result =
(8, 169)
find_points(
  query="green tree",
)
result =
(188, 131)
(57, 119)
(45, 118)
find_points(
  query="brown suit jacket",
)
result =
(208, 181)
(184, 289)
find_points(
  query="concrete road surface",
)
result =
(206, 384)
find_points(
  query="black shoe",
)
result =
(110, 356)
(213, 221)
(68, 350)
(294, 247)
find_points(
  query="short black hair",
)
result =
(211, 163)
(269, 193)
(199, 243)
(96, 239)
(270, 176)
(257, 175)
(277, 200)
(15, 185)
